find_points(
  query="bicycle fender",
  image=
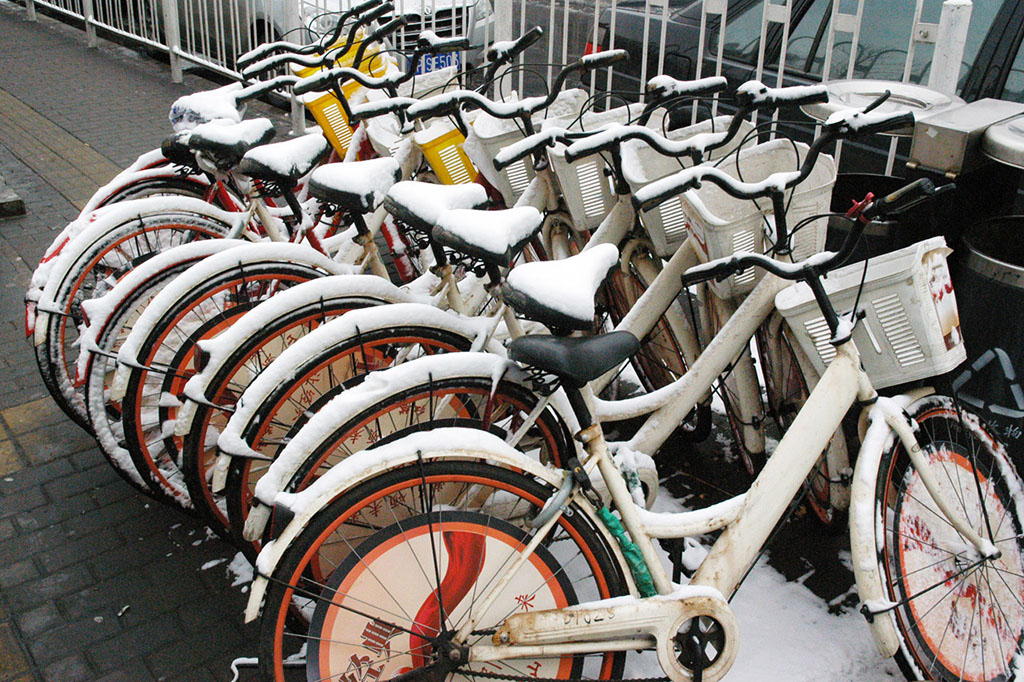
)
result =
(865, 545)
(363, 466)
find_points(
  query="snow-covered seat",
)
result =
(225, 142)
(283, 163)
(575, 360)
(494, 237)
(355, 185)
(560, 293)
(418, 204)
(175, 149)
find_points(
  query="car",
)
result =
(993, 62)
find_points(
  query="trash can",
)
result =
(989, 280)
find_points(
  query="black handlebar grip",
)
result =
(599, 60)
(518, 46)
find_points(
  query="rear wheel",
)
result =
(960, 616)
(393, 567)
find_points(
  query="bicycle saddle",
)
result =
(574, 360)
(418, 204)
(225, 143)
(283, 163)
(494, 237)
(355, 185)
(560, 294)
(175, 149)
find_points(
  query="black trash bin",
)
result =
(989, 280)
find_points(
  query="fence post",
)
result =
(950, 42)
(293, 23)
(89, 14)
(503, 28)
(173, 38)
(30, 10)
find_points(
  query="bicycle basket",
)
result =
(488, 135)
(441, 144)
(642, 165)
(722, 225)
(911, 328)
(584, 184)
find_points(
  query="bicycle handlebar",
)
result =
(842, 124)
(262, 87)
(263, 51)
(450, 103)
(321, 56)
(752, 96)
(893, 204)
(503, 52)
(335, 77)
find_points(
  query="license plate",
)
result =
(436, 62)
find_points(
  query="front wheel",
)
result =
(960, 616)
(391, 569)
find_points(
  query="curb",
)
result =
(11, 204)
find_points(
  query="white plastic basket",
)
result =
(722, 225)
(488, 135)
(641, 166)
(585, 186)
(911, 329)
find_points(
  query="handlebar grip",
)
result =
(881, 123)
(599, 60)
(758, 95)
(258, 53)
(261, 88)
(906, 198)
(664, 87)
(425, 44)
(717, 271)
(506, 51)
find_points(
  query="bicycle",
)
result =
(508, 535)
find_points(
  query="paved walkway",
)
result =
(96, 581)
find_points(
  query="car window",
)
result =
(742, 32)
(805, 52)
(1014, 89)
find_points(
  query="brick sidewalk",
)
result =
(97, 582)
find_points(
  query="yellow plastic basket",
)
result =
(441, 145)
(325, 107)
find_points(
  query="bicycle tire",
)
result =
(970, 628)
(784, 399)
(365, 531)
(222, 298)
(95, 266)
(549, 439)
(250, 358)
(660, 360)
(105, 414)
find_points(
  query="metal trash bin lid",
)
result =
(1004, 142)
(857, 93)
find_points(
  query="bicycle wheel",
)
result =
(132, 295)
(95, 268)
(467, 401)
(150, 401)
(660, 360)
(960, 617)
(362, 584)
(345, 362)
(787, 390)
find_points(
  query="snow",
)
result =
(191, 110)
(673, 87)
(148, 165)
(224, 132)
(184, 284)
(759, 93)
(495, 232)
(428, 200)
(856, 119)
(372, 178)
(569, 285)
(285, 158)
